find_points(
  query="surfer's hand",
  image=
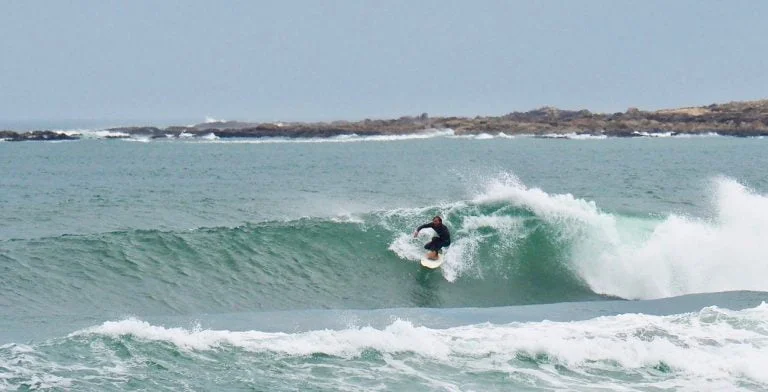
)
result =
(415, 234)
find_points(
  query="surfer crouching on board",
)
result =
(443, 238)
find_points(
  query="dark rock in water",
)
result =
(35, 135)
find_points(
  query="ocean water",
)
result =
(204, 264)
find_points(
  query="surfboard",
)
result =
(432, 264)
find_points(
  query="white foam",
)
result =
(713, 345)
(22, 362)
(347, 138)
(406, 247)
(139, 138)
(479, 136)
(503, 223)
(93, 133)
(653, 134)
(684, 255)
(563, 208)
(461, 256)
(347, 217)
(574, 136)
(503, 135)
(211, 120)
(649, 258)
(678, 135)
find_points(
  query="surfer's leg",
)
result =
(432, 246)
(443, 244)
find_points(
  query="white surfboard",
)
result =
(432, 264)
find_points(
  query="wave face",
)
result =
(512, 245)
(302, 264)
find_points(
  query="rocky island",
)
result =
(743, 119)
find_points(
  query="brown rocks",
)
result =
(743, 119)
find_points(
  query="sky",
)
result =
(178, 62)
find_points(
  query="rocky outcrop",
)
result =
(736, 119)
(749, 118)
(34, 135)
(403, 125)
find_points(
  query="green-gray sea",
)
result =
(205, 264)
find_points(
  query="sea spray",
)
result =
(647, 257)
(682, 254)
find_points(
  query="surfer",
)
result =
(443, 238)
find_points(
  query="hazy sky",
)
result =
(169, 61)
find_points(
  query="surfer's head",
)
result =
(437, 220)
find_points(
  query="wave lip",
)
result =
(648, 257)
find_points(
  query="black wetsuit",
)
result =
(442, 240)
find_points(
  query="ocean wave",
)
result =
(713, 346)
(511, 245)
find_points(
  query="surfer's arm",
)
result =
(424, 226)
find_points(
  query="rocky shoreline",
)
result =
(741, 119)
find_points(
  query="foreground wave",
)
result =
(710, 348)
